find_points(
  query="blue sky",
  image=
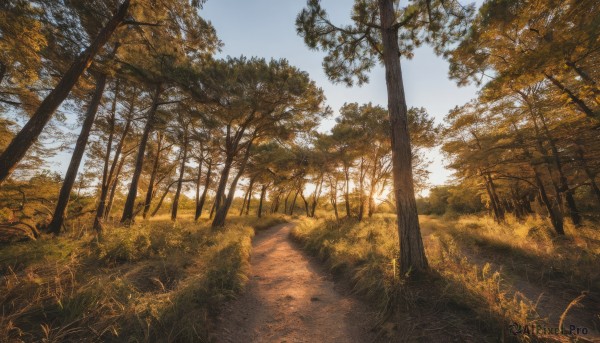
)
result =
(265, 28)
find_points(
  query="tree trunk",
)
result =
(576, 100)
(65, 191)
(275, 203)
(361, 191)
(21, 143)
(588, 172)
(221, 212)
(212, 210)
(113, 187)
(494, 194)
(220, 194)
(249, 196)
(372, 186)
(285, 203)
(162, 198)
(306, 210)
(294, 203)
(316, 196)
(562, 179)
(347, 191)
(333, 197)
(200, 204)
(105, 177)
(243, 207)
(197, 198)
(585, 76)
(150, 191)
(263, 191)
(115, 170)
(128, 216)
(494, 205)
(554, 213)
(412, 252)
(175, 204)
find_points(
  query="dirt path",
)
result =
(290, 298)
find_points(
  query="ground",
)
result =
(290, 298)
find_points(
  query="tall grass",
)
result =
(156, 281)
(472, 293)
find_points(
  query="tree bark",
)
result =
(115, 170)
(113, 187)
(249, 196)
(220, 193)
(333, 197)
(221, 212)
(562, 179)
(263, 191)
(128, 217)
(175, 204)
(212, 210)
(495, 207)
(67, 186)
(21, 143)
(347, 190)
(150, 191)
(372, 186)
(554, 213)
(285, 202)
(162, 198)
(361, 190)
(293, 206)
(105, 178)
(412, 252)
(316, 196)
(306, 209)
(198, 179)
(588, 172)
(200, 204)
(576, 100)
(585, 76)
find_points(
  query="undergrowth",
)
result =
(156, 281)
(469, 292)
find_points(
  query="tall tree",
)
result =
(382, 31)
(32, 129)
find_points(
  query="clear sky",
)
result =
(266, 28)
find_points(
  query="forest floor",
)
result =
(290, 297)
(552, 290)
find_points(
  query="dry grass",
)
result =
(157, 281)
(471, 298)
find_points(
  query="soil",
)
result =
(291, 298)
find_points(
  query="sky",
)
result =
(266, 28)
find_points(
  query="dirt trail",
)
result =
(290, 298)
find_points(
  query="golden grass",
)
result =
(461, 280)
(158, 281)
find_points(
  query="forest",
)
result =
(153, 190)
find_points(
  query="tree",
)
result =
(381, 32)
(258, 100)
(156, 63)
(15, 151)
(525, 42)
